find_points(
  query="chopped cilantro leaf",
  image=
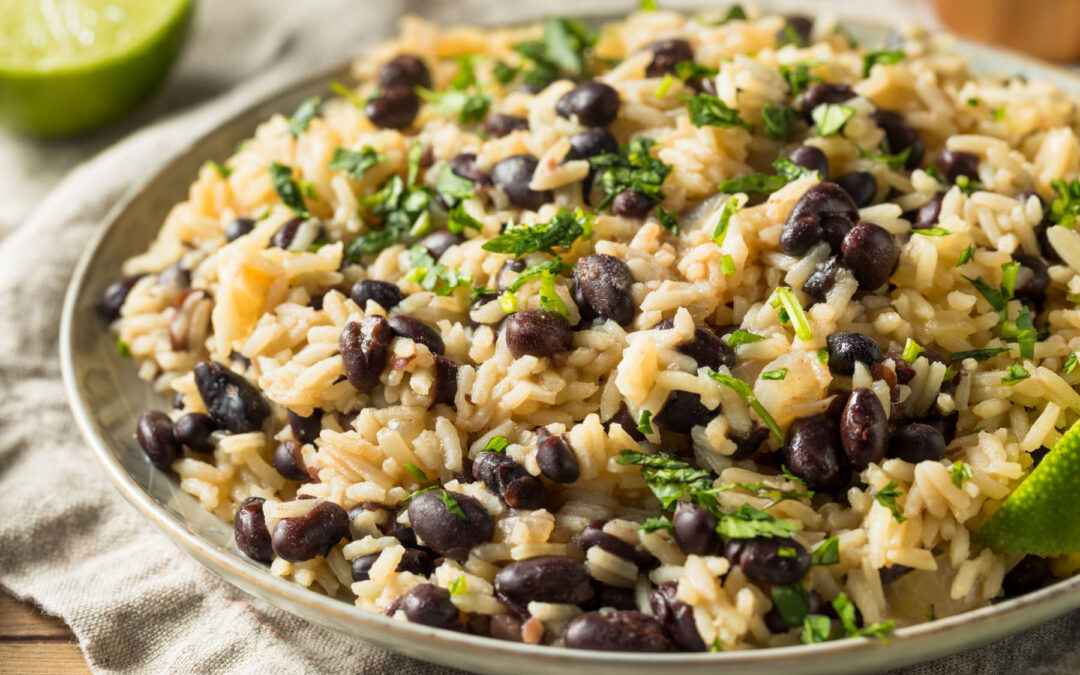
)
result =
(452, 187)
(565, 44)
(664, 86)
(439, 279)
(727, 265)
(497, 444)
(828, 553)
(894, 162)
(706, 109)
(301, 119)
(978, 354)
(784, 299)
(416, 471)
(790, 36)
(742, 337)
(658, 523)
(748, 522)
(1008, 279)
(459, 220)
(722, 223)
(669, 477)
(1070, 363)
(451, 504)
(347, 94)
(912, 350)
(965, 256)
(733, 13)
(792, 603)
(643, 425)
(1065, 208)
(778, 120)
(830, 118)
(992, 295)
(469, 108)
(1015, 373)
(967, 185)
(960, 472)
(221, 169)
(458, 586)
(816, 628)
(716, 646)
(690, 71)
(668, 220)
(353, 163)
(932, 232)
(632, 169)
(886, 496)
(759, 183)
(504, 73)
(282, 178)
(747, 394)
(778, 374)
(999, 114)
(549, 299)
(823, 356)
(884, 57)
(122, 349)
(798, 76)
(561, 231)
(846, 611)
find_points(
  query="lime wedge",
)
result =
(1041, 516)
(68, 66)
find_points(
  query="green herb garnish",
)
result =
(658, 523)
(561, 231)
(123, 349)
(452, 187)
(932, 232)
(880, 57)
(778, 374)
(416, 471)
(830, 118)
(792, 603)
(301, 119)
(747, 394)
(960, 472)
(1015, 373)
(778, 120)
(748, 522)
(497, 444)
(347, 94)
(668, 221)
(965, 256)
(1065, 208)
(786, 301)
(689, 71)
(458, 586)
(742, 337)
(798, 76)
(282, 178)
(912, 350)
(846, 611)
(886, 496)
(353, 163)
(733, 13)
(816, 628)
(632, 169)
(978, 354)
(828, 553)
(708, 110)
(643, 425)
(894, 162)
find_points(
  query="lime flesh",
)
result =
(1042, 516)
(69, 66)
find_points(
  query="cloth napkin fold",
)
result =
(68, 541)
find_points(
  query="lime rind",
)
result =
(1041, 516)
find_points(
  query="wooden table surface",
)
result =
(33, 642)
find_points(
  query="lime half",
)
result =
(1041, 515)
(68, 66)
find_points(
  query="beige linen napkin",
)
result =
(67, 539)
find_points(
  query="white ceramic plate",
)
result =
(107, 399)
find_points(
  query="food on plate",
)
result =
(689, 333)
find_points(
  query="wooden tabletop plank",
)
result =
(42, 657)
(23, 621)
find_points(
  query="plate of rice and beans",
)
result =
(702, 339)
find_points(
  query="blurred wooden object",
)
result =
(1048, 29)
(32, 642)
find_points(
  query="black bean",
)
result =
(395, 109)
(666, 54)
(848, 348)
(557, 460)
(747, 445)
(592, 142)
(442, 531)
(824, 212)
(595, 104)
(508, 273)
(625, 420)
(706, 347)
(286, 233)
(154, 432)
(115, 294)
(861, 186)
(513, 175)
(360, 568)
(821, 281)
(1045, 249)
(178, 400)
(249, 530)
(238, 228)
(403, 533)
(864, 429)
(899, 136)
(546, 578)
(611, 597)
(676, 616)
(778, 561)
(306, 429)
(622, 631)
(231, 401)
(956, 163)
(464, 165)
(193, 431)
(871, 253)
(405, 70)
(824, 92)
(809, 157)
(304, 537)
(604, 282)
(537, 332)
(439, 242)
(594, 535)
(364, 349)
(927, 215)
(632, 204)
(386, 294)
(289, 461)
(695, 530)
(176, 276)
(917, 442)
(414, 329)
(507, 478)
(682, 411)
(1030, 574)
(506, 627)
(430, 605)
(498, 125)
(1033, 277)
(800, 26)
(446, 385)
(891, 573)
(814, 453)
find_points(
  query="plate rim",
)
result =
(1029, 609)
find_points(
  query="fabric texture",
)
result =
(68, 541)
